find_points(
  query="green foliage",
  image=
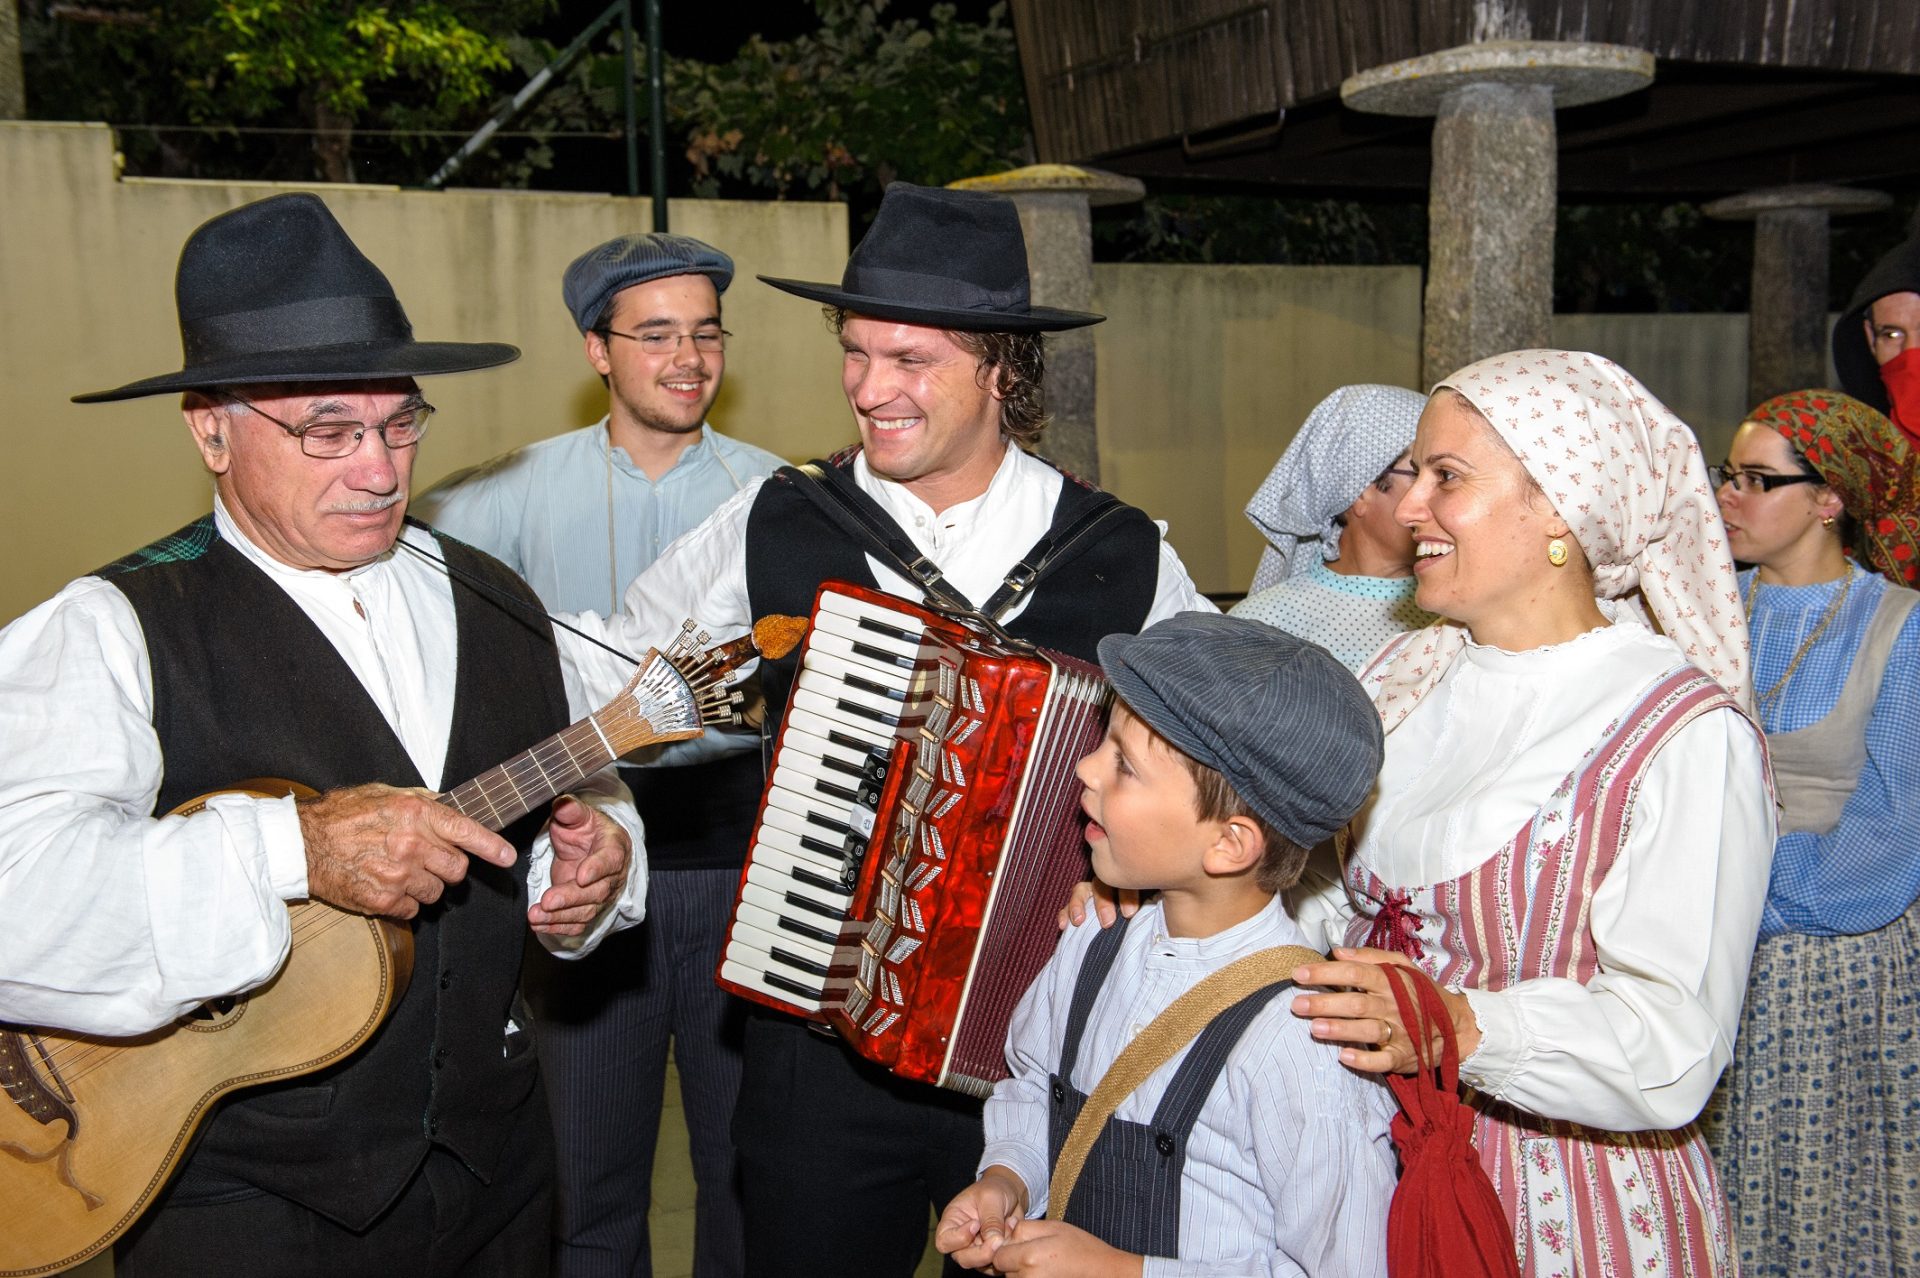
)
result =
(253, 54)
(315, 68)
(1248, 228)
(861, 101)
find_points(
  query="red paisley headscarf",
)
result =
(1865, 459)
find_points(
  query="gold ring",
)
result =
(1388, 1036)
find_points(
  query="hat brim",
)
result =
(374, 361)
(1035, 319)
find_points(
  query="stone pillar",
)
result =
(1493, 191)
(1055, 203)
(1787, 315)
(13, 79)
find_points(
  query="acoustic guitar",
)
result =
(91, 1127)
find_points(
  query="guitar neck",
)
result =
(500, 796)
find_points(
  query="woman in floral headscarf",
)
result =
(1817, 1126)
(1573, 824)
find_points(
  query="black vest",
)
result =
(244, 686)
(1105, 586)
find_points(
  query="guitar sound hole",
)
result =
(216, 1014)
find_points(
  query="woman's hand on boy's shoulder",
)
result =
(1109, 904)
(1055, 1249)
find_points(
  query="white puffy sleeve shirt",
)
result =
(1641, 1045)
(117, 922)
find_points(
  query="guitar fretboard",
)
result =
(656, 705)
(500, 796)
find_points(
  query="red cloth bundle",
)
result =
(1445, 1219)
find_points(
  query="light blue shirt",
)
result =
(551, 510)
(578, 520)
(1862, 874)
(1351, 617)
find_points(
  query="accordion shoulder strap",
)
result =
(1157, 1044)
(863, 518)
(1049, 552)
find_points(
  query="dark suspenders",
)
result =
(862, 518)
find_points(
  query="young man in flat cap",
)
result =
(579, 515)
(942, 361)
(304, 630)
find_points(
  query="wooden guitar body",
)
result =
(91, 1128)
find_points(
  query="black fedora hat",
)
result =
(951, 259)
(274, 291)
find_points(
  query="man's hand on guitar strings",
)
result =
(591, 854)
(379, 850)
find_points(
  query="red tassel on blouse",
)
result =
(1396, 927)
(1445, 1219)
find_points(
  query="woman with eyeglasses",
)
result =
(1816, 1126)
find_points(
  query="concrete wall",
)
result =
(1206, 373)
(86, 277)
(1695, 364)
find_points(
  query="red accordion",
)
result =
(920, 830)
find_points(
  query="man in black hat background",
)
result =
(303, 630)
(579, 515)
(1876, 340)
(942, 362)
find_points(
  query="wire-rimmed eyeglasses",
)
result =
(708, 341)
(329, 437)
(1749, 482)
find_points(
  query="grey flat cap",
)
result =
(597, 274)
(1287, 725)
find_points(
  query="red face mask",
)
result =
(1901, 376)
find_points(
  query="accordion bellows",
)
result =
(920, 830)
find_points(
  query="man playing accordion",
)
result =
(942, 364)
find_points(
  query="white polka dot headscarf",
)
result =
(1627, 476)
(1347, 440)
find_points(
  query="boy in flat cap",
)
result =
(579, 515)
(1232, 749)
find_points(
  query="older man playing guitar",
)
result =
(301, 630)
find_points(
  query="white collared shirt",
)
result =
(118, 922)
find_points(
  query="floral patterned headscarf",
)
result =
(1866, 460)
(1628, 478)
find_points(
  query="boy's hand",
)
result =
(1054, 1249)
(981, 1217)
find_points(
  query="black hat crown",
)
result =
(952, 259)
(275, 291)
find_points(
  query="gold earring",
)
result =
(1826, 521)
(1557, 553)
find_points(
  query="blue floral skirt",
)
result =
(1816, 1126)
